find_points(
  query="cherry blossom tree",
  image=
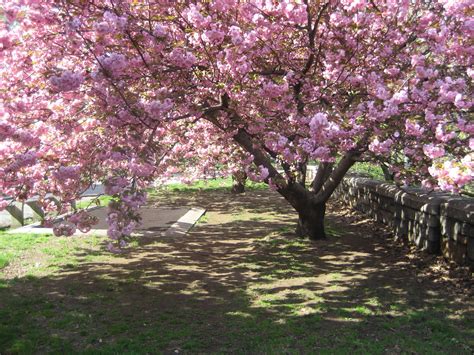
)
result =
(127, 92)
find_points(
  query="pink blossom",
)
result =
(64, 229)
(442, 135)
(433, 151)
(235, 34)
(214, 37)
(318, 121)
(116, 185)
(182, 59)
(114, 63)
(158, 108)
(67, 81)
(379, 147)
(160, 31)
(195, 17)
(322, 153)
(414, 128)
(3, 204)
(382, 93)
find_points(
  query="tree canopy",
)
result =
(126, 92)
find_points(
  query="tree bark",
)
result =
(238, 182)
(310, 212)
(311, 222)
(302, 169)
(324, 170)
(388, 176)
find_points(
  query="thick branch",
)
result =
(302, 169)
(294, 193)
(260, 158)
(324, 170)
(336, 177)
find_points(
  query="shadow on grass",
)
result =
(236, 284)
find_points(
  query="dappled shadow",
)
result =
(240, 277)
(221, 200)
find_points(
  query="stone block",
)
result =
(454, 251)
(387, 190)
(470, 249)
(461, 209)
(433, 234)
(467, 230)
(16, 211)
(453, 229)
(408, 213)
(427, 219)
(421, 200)
(401, 228)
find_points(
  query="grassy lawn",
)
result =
(240, 282)
(371, 170)
(101, 200)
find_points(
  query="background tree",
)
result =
(239, 178)
(122, 91)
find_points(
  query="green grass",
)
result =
(240, 283)
(13, 245)
(102, 200)
(212, 185)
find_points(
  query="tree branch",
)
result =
(322, 175)
(336, 177)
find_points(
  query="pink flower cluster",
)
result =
(114, 63)
(160, 31)
(116, 185)
(380, 147)
(453, 174)
(260, 175)
(181, 58)
(123, 218)
(3, 203)
(83, 221)
(64, 229)
(66, 81)
(433, 151)
(214, 36)
(111, 23)
(158, 108)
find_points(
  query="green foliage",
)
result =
(370, 170)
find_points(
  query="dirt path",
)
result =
(242, 282)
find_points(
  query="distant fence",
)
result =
(433, 221)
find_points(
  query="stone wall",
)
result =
(433, 221)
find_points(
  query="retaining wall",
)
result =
(433, 221)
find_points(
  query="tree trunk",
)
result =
(238, 182)
(388, 176)
(311, 222)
